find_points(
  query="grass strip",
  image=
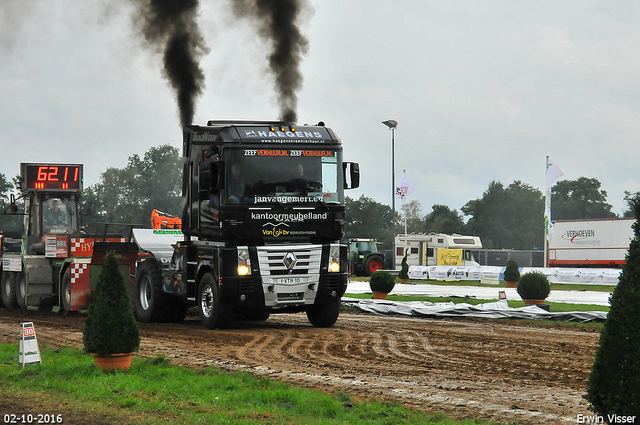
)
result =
(154, 391)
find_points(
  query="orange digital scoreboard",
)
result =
(52, 177)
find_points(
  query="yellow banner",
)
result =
(449, 257)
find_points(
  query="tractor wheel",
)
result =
(372, 265)
(21, 289)
(65, 290)
(150, 302)
(213, 312)
(323, 316)
(9, 290)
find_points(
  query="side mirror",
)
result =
(351, 176)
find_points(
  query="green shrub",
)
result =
(533, 286)
(613, 386)
(110, 326)
(511, 273)
(404, 268)
(382, 281)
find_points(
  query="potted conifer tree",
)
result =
(511, 274)
(381, 283)
(404, 270)
(533, 288)
(111, 332)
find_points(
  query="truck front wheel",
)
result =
(149, 300)
(9, 289)
(323, 316)
(213, 312)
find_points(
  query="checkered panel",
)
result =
(76, 243)
(83, 247)
(77, 270)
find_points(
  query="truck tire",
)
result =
(323, 316)
(21, 290)
(65, 290)
(372, 265)
(9, 290)
(213, 312)
(150, 302)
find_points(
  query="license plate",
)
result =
(288, 280)
(292, 296)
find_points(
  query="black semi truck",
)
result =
(263, 215)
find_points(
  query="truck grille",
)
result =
(271, 259)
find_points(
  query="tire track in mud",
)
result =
(467, 369)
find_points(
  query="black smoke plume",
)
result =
(277, 24)
(170, 26)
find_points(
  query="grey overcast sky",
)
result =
(481, 90)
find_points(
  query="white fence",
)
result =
(493, 274)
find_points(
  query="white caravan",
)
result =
(437, 249)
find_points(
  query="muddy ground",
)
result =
(492, 370)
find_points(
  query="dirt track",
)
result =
(468, 369)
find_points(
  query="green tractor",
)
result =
(365, 257)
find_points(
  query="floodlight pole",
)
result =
(392, 124)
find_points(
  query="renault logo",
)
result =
(289, 260)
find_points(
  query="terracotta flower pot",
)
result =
(511, 284)
(379, 295)
(120, 361)
(533, 302)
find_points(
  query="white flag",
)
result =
(404, 188)
(553, 173)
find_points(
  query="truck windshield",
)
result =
(256, 176)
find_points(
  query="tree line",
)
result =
(509, 217)
(123, 195)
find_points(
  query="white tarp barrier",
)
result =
(492, 274)
(493, 310)
(433, 289)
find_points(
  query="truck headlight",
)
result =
(244, 262)
(334, 259)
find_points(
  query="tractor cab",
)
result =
(51, 203)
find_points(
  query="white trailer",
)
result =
(590, 243)
(437, 249)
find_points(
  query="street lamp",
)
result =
(393, 124)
